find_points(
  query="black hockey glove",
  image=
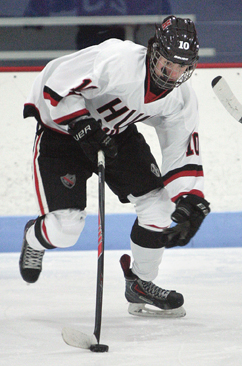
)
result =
(189, 214)
(88, 133)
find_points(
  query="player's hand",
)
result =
(88, 133)
(189, 214)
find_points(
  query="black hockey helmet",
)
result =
(176, 40)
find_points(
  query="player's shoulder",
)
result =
(122, 60)
(115, 44)
(123, 50)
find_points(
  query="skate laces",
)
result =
(154, 291)
(33, 258)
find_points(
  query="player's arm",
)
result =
(183, 173)
(69, 112)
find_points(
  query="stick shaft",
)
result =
(101, 227)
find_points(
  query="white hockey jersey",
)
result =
(107, 81)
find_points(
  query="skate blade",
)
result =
(146, 311)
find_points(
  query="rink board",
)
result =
(218, 230)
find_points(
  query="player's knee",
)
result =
(63, 227)
(153, 209)
(146, 238)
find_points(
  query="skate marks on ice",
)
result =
(32, 316)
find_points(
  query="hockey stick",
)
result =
(227, 98)
(74, 337)
(101, 225)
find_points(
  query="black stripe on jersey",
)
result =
(185, 168)
(83, 85)
(31, 111)
(52, 96)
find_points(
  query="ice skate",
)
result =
(30, 262)
(141, 293)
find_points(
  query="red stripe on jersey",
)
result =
(151, 97)
(68, 117)
(50, 94)
(184, 173)
(55, 129)
(158, 227)
(196, 192)
(36, 177)
(52, 101)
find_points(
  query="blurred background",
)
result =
(32, 32)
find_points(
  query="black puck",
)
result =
(99, 348)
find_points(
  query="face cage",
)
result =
(164, 81)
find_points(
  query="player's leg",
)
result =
(136, 178)
(57, 229)
(60, 171)
(153, 211)
(153, 216)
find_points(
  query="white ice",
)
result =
(32, 316)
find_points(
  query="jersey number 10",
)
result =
(193, 146)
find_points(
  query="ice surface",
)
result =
(32, 316)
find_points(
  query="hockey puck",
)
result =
(99, 348)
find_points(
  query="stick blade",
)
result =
(227, 98)
(75, 338)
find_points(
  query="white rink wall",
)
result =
(220, 143)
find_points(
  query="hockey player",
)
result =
(91, 100)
